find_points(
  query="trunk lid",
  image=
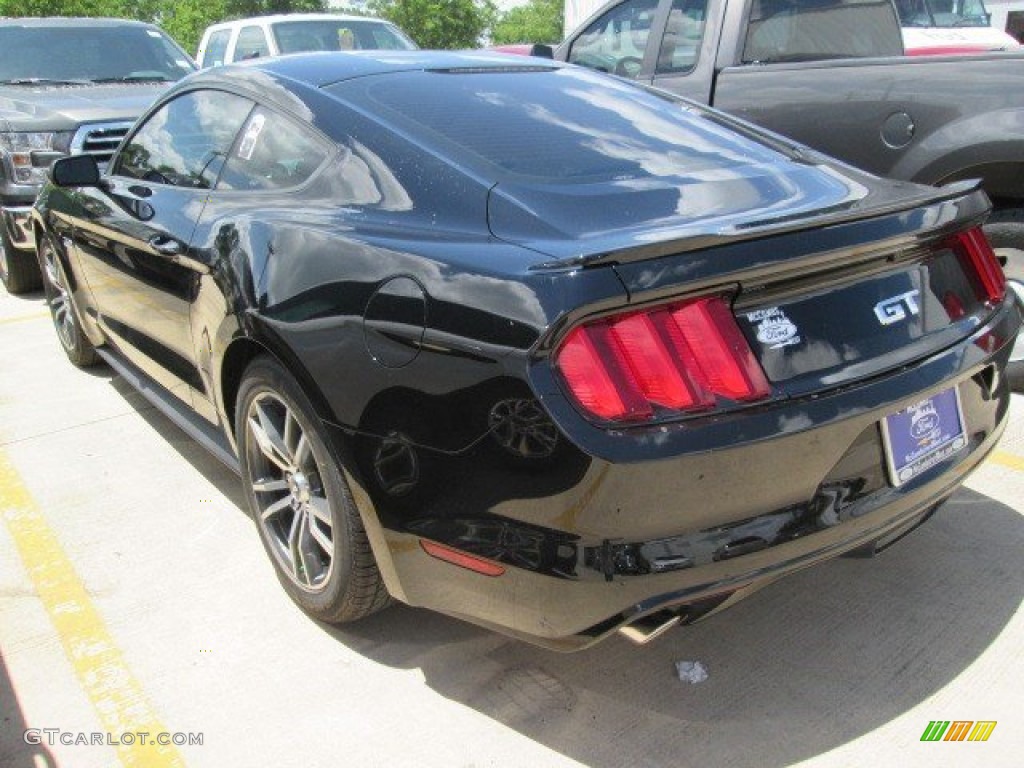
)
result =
(889, 312)
(827, 306)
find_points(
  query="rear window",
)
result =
(90, 53)
(782, 31)
(340, 35)
(559, 124)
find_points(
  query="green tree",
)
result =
(539, 21)
(185, 20)
(439, 23)
(243, 8)
(122, 9)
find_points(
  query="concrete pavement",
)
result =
(134, 593)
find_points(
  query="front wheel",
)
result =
(76, 344)
(301, 502)
(19, 271)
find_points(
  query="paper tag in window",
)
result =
(252, 135)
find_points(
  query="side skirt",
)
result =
(190, 422)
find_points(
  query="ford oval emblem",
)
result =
(924, 423)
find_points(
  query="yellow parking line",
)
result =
(1007, 460)
(23, 318)
(116, 696)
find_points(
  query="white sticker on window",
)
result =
(153, 33)
(252, 134)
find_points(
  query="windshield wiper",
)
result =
(133, 79)
(41, 81)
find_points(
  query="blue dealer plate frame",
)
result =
(923, 435)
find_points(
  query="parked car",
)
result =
(263, 36)
(68, 86)
(940, 27)
(831, 76)
(589, 358)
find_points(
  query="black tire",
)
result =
(19, 270)
(300, 501)
(1005, 232)
(1005, 228)
(63, 310)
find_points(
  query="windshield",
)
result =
(339, 35)
(943, 13)
(82, 53)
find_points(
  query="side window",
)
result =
(252, 44)
(216, 49)
(615, 43)
(185, 142)
(783, 31)
(273, 153)
(683, 35)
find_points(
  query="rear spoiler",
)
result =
(937, 208)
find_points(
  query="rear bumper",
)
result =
(590, 545)
(571, 615)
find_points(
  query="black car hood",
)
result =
(576, 221)
(61, 108)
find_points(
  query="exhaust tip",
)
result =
(643, 631)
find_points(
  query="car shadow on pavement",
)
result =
(216, 473)
(800, 668)
(14, 751)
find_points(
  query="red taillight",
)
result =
(723, 355)
(981, 264)
(582, 361)
(680, 357)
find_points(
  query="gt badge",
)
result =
(892, 310)
(774, 329)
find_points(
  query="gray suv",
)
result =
(68, 86)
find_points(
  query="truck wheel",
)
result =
(19, 271)
(1015, 369)
(300, 501)
(1005, 231)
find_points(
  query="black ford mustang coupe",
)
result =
(528, 345)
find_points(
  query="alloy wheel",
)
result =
(293, 510)
(59, 299)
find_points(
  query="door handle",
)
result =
(166, 246)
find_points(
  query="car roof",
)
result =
(324, 68)
(285, 17)
(69, 21)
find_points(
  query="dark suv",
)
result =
(68, 86)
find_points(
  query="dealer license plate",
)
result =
(919, 437)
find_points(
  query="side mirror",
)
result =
(75, 171)
(543, 51)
